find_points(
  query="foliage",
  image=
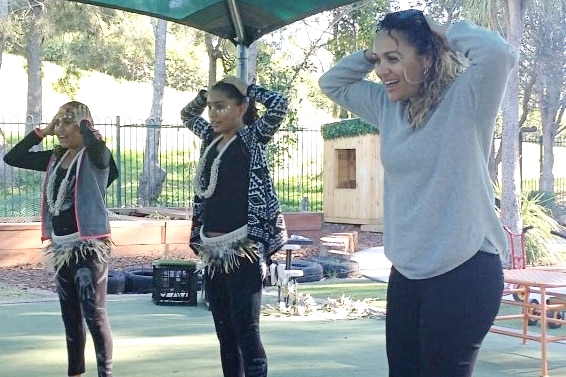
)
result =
(536, 240)
(300, 193)
(347, 128)
(534, 214)
(354, 30)
(182, 74)
(69, 83)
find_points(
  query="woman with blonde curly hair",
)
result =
(75, 221)
(436, 118)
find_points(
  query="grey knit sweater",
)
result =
(439, 202)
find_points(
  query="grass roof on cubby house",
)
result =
(347, 128)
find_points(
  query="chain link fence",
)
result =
(295, 155)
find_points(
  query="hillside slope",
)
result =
(106, 97)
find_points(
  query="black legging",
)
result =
(82, 292)
(235, 303)
(435, 327)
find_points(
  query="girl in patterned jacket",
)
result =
(237, 224)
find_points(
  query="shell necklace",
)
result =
(55, 206)
(198, 182)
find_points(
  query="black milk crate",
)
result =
(175, 282)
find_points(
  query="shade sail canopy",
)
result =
(242, 21)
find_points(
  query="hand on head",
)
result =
(238, 83)
(50, 129)
(83, 113)
(72, 112)
(436, 28)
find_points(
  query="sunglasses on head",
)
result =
(403, 19)
(405, 14)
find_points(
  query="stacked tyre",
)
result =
(139, 280)
(116, 282)
(312, 271)
(336, 267)
(130, 280)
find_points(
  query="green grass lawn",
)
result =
(356, 290)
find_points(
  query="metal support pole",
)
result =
(242, 63)
(118, 160)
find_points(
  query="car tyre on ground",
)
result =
(335, 267)
(139, 280)
(312, 271)
(116, 283)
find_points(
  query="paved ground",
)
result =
(163, 341)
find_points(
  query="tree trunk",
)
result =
(153, 176)
(214, 52)
(510, 173)
(253, 53)
(493, 163)
(2, 44)
(3, 23)
(549, 100)
(548, 111)
(7, 175)
(33, 56)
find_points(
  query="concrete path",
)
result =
(373, 263)
(179, 341)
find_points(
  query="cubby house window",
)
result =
(345, 168)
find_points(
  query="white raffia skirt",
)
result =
(225, 251)
(64, 250)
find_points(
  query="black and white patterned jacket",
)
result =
(265, 221)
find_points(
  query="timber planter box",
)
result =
(163, 236)
(20, 243)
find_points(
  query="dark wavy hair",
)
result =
(413, 26)
(233, 93)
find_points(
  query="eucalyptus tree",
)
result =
(7, 175)
(353, 28)
(507, 16)
(153, 175)
(76, 33)
(32, 21)
(216, 49)
(4, 21)
(544, 68)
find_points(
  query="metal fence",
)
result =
(530, 165)
(296, 159)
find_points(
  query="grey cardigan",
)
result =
(438, 201)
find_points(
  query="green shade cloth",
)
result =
(258, 17)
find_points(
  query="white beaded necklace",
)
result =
(55, 207)
(198, 180)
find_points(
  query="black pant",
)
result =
(435, 327)
(82, 292)
(235, 303)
